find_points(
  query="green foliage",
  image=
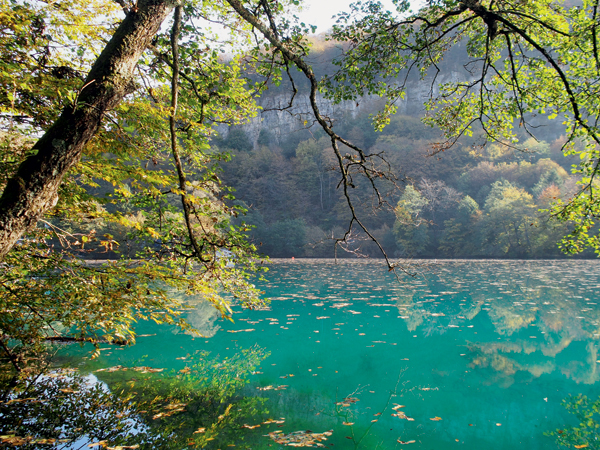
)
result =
(160, 213)
(587, 433)
(285, 238)
(238, 140)
(457, 237)
(537, 59)
(410, 227)
(509, 214)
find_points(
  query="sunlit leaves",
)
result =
(123, 200)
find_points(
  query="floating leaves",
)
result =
(103, 445)
(241, 331)
(405, 442)
(17, 441)
(338, 305)
(171, 409)
(269, 421)
(401, 414)
(436, 419)
(300, 438)
(347, 401)
(142, 369)
(272, 388)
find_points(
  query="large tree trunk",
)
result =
(34, 188)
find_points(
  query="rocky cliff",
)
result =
(280, 120)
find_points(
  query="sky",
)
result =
(319, 12)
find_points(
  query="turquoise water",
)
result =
(488, 349)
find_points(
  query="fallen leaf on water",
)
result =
(581, 446)
(175, 406)
(377, 414)
(250, 427)
(348, 423)
(337, 305)
(436, 418)
(111, 369)
(405, 442)
(300, 438)
(401, 415)
(269, 421)
(200, 430)
(397, 407)
(144, 369)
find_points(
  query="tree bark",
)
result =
(34, 188)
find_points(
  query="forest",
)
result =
(471, 201)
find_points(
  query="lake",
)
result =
(476, 354)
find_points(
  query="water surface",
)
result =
(476, 354)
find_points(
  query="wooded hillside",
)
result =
(476, 199)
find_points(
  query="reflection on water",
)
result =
(538, 310)
(478, 353)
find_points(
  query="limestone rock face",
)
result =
(276, 117)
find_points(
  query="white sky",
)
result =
(319, 12)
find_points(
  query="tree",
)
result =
(522, 59)
(510, 213)
(315, 162)
(129, 149)
(459, 235)
(411, 228)
(33, 189)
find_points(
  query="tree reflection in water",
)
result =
(145, 408)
